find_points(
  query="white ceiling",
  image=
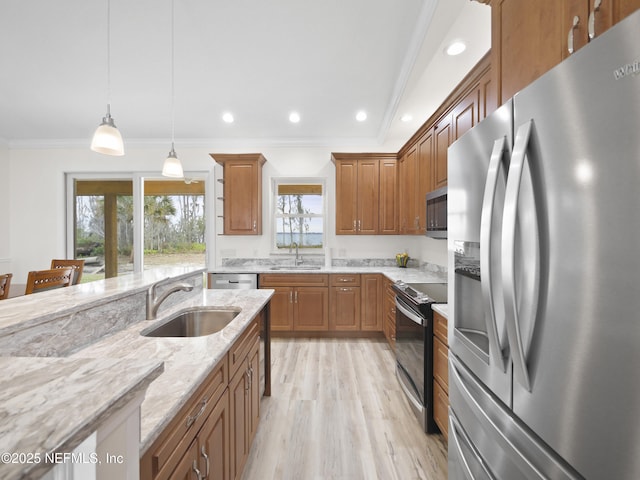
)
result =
(255, 58)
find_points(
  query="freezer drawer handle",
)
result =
(514, 315)
(495, 174)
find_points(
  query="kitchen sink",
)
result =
(296, 267)
(195, 322)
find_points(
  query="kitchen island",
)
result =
(98, 326)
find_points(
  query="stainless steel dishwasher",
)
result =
(247, 281)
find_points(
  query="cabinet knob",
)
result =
(255, 225)
(592, 19)
(206, 459)
(576, 21)
(194, 467)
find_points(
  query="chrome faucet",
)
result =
(153, 302)
(298, 260)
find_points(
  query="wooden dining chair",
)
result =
(5, 283)
(78, 266)
(41, 280)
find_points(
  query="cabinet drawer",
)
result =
(293, 280)
(240, 349)
(440, 362)
(345, 280)
(441, 409)
(162, 458)
(440, 328)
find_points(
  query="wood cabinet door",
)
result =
(242, 198)
(254, 393)
(441, 409)
(425, 182)
(311, 308)
(466, 113)
(345, 308)
(527, 39)
(346, 196)
(388, 222)
(368, 196)
(187, 468)
(443, 138)
(281, 305)
(621, 9)
(214, 448)
(239, 406)
(371, 309)
(409, 216)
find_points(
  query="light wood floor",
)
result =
(337, 412)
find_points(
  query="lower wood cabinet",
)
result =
(322, 304)
(371, 309)
(344, 301)
(208, 455)
(212, 435)
(389, 312)
(440, 374)
(245, 410)
(300, 302)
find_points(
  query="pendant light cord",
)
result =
(173, 114)
(108, 54)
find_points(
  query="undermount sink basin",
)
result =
(195, 322)
(296, 267)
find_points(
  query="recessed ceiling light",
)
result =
(407, 117)
(294, 117)
(361, 116)
(456, 48)
(227, 117)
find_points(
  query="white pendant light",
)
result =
(107, 138)
(172, 166)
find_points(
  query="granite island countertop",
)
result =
(187, 361)
(31, 310)
(50, 405)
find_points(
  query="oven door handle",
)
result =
(408, 313)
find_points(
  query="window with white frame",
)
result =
(299, 214)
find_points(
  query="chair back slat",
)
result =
(40, 280)
(5, 283)
(78, 266)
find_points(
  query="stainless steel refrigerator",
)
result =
(544, 275)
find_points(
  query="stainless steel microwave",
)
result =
(437, 213)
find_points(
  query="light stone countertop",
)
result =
(441, 308)
(187, 361)
(50, 405)
(30, 310)
(407, 275)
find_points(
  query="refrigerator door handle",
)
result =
(510, 222)
(496, 168)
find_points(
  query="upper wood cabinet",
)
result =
(366, 193)
(423, 159)
(529, 38)
(242, 192)
(410, 173)
(584, 20)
